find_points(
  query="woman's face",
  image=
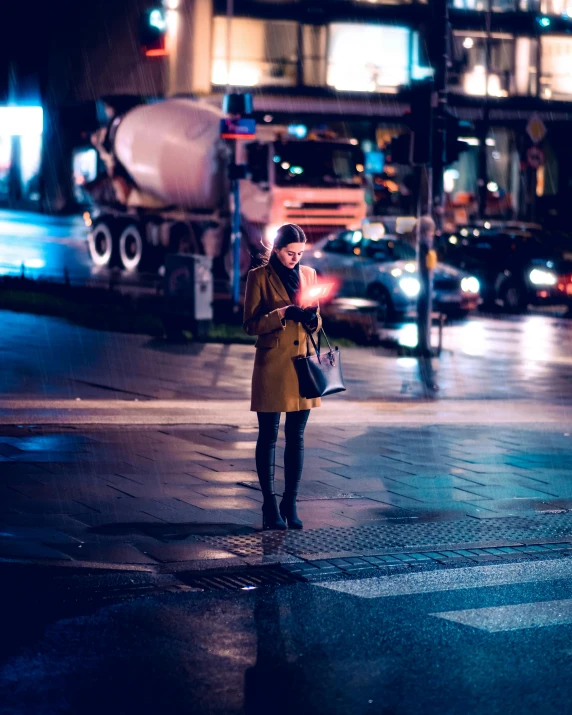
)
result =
(291, 254)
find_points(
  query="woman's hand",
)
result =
(310, 318)
(293, 312)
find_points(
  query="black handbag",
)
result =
(320, 374)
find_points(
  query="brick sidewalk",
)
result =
(148, 496)
(109, 474)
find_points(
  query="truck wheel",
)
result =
(131, 247)
(102, 247)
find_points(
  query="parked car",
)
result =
(516, 268)
(384, 269)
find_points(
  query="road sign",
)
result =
(536, 129)
(535, 157)
(242, 128)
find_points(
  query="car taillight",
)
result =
(565, 284)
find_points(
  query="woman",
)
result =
(273, 311)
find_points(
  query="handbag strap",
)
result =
(309, 336)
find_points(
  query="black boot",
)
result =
(293, 466)
(288, 511)
(271, 518)
(265, 454)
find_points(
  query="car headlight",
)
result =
(542, 278)
(470, 284)
(410, 286)
(270, 233)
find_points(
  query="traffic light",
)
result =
(421, 123)
(453, 146)
(153, 32)
(399, 149)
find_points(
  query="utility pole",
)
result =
(441, 67)
(482, 180)
(430, 169)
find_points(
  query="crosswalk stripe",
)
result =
(513, 618)
(454, 579)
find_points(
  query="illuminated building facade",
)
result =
(340, 65)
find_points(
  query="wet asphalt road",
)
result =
(44, 247)
(55, 249)
(303, 648)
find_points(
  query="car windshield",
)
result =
(315, 163)
(388, 249)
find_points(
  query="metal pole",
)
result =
(441, 62)
(424, 301)
(235, 242)
(229, 16)
(235, 183)
(482, 167)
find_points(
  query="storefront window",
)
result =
(314, 43)
(560, 8)
(501, 154)
(263, 52)
(556, 60)
(373, 58)
(469, 68)
(503, 176)
(20, 153)
(525, 74)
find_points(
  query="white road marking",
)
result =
(108, 411)
(513, 618)
(454, 579)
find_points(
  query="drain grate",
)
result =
(241, 579)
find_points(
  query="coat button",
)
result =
(296, 342)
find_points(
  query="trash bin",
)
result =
(188, 295)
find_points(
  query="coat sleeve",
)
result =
(255, 321)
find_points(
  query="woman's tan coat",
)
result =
(274, 380)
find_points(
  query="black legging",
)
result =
(268, 423)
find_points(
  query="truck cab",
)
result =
(317, 184)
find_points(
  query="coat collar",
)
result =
(279, 286)
(277, 283)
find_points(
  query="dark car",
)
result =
(515, 268)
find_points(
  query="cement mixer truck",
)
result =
(166, 187)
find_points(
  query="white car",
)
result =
(384, 269)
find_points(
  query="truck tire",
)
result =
(102, 244)
(131, 248)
